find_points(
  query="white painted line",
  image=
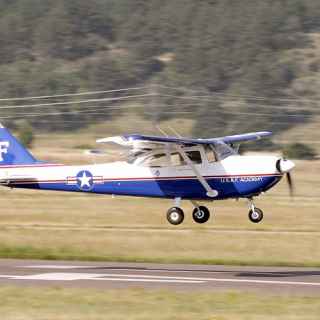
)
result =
(91, 276)
(59, 276)
(294, 283)
(150, 277)
(148, 280)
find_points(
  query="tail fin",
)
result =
(11, 150)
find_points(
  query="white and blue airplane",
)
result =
(161, 167)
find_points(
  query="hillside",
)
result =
(253, 65)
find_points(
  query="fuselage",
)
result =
(234, 177)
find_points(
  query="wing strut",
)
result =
(210, 192)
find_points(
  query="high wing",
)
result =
(130, 140)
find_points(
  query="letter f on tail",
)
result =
(12, 152)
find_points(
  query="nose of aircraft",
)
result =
(284, 165)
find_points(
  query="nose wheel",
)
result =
(256, 215)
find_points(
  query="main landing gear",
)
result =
(201, 214)
(255, 214)
(175, 215)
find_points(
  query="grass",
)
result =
(162, 246)
(77, 304)
(84, 227)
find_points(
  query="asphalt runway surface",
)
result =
(106, 275)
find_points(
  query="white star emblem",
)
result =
(84, 180)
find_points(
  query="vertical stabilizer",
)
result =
(12, 152)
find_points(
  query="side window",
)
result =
(210, 155)
(158, 160)
(177, 160)
(194, 156)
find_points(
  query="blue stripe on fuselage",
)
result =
(230, 187)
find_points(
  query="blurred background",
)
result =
(207, 68)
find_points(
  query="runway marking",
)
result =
(59, 276)
(97, 276)
(295, 283)
(147, 278)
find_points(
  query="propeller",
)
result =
(284, 166)
(290, 184)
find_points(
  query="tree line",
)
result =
(236, 48)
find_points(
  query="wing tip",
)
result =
(265, 134)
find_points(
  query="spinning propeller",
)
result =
(284, 166)
(290, 184)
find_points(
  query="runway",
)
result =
(106, 275)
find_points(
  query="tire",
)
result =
(201, 214)
(256, 216)
(175, 216)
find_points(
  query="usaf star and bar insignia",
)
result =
(85, 180)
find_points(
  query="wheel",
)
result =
(201, 214)
(175, 215)
(256, 215)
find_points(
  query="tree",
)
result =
(299, 151)
(25, 134)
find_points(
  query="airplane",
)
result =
(161, 167)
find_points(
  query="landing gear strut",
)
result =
(255, 214)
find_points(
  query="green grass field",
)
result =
(83, 304)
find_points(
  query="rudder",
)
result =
(12, 152)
